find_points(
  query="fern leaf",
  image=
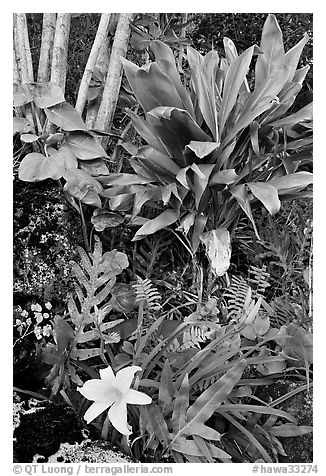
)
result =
(145, 291)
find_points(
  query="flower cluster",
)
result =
(28, 322)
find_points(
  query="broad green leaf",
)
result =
(181, 405)
(240, 194)
(157, 423)
(272, 46)
(259, 101)
(123, 179)
(47, 95)
(267, 194)
(36, 167)
(29, 138)
(208, 402)
(205, 92)
(95, 167)
(235, 77)
(167, 218)
(21, 94)
(102, 219)
(300, 74)
(153, 88)
(145, 131)
(122, 202)
(202, 149)
(189, 447)
(292, 182)
(293, 55)
(65, 116)
(83, 187)
(201, 179)
(161, 165)
(198, 228)
(21, 124)
(85, 146)
(69, 158)
(176, 128)
(84, 354)
(296, 343)
(290, 429)
(204, 431)
(218, 249)
(202, 445)
(261, 324)
(304, 114)
(226, 176)
(166, 390)
(165, 58)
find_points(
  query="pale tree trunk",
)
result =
(60, 50)
(100, 39)
(113, 80)
(16, 79)
(48, 32)
(22, 49)
(23, 68)
(103, 64)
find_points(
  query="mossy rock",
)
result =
(43, 428)
(88, 451)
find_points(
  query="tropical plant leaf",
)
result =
(157, 422)
(85, 146)
(292, 182)
(47, 95)
(272, 46)
(293, 55)
(21, 94)
(167, 218)
(65, 116)
(267, 194)
(36, 167)
(21, 124)
(235, 77)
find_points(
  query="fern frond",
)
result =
(148, 252)
(258, 280)
(236, 296)
(145, 291)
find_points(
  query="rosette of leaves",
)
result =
(71, 152)
(219, 146)
(86, 333)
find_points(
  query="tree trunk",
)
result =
(101, 35)
(60, 50)
(22, 49)
(48, 32)
(103, 64)
(113, 80)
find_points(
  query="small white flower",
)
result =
(113, 391)
(47, 330)
(39, 317)
(48, 305)
(24, 313)
(28, 321)
(46, 315)
(36, 307)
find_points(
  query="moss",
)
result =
(88, 451)
(43, 428)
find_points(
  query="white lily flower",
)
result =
(113, 391)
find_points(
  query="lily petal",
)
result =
(95, 410)
(118, 417)
(124, 378)
(98, 390)
(138, 398)
(107, 375)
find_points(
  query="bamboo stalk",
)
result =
(113, 80)
(101, 34)
(60, 50)
(48, 32)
